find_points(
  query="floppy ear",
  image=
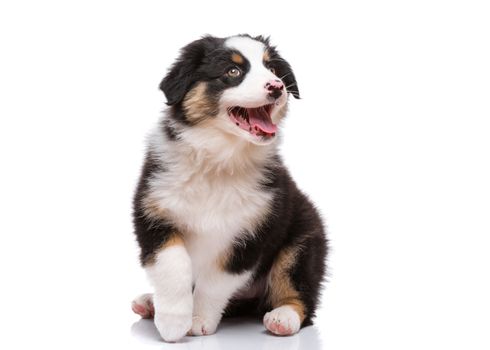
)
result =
(285, 72)
(183, 73)
(290, 81)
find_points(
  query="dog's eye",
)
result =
(234, 72)
(272, 70)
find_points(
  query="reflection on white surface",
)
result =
(232, 334)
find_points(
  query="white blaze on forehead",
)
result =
(251, 91)
(252, 49)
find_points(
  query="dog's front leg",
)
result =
(170, 273)
(214, 288)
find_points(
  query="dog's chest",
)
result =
(213, 204)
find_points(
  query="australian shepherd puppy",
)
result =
(222, 227)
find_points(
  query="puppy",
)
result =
(222, 227)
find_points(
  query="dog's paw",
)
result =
(143, 306)
(283, 320)
(173, 327)
(202, 326)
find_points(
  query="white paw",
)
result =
(202, 326)
(283, 320)
(172, 327)
(143, 306)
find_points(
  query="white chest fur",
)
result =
(211, 202)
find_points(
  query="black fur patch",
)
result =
(186, 70)
(169, 130)
(150, 233)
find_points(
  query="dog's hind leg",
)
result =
(293, 286)
(288, 309)
(143, 305)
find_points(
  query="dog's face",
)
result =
(238, 85)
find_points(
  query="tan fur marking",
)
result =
(197, 105)
(266, 57)
(238, 59)
(222, 260)
(152, 208)
(174, 239)
(281, 290)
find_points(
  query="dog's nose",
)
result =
(275, 88)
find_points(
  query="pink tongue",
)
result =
(259, 117)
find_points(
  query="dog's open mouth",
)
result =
(256, 121)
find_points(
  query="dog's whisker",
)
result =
(277, 59)
(285, 75)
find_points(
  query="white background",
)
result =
(391, 140)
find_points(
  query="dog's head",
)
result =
(238, 85)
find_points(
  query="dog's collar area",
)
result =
(257, 121)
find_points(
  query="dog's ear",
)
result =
(284, 70)
(184, 72)
(288, 78)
